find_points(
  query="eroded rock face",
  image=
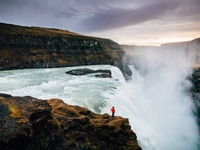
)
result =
(85, 71)
(33, 124)
(195, 92)
(32, 47)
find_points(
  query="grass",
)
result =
(16, 29)
(59, 107)
(14, 110)
(11, 29)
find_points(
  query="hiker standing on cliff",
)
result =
(113, 111)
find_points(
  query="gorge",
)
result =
(162, 92)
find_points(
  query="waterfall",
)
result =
(158, 108)
(117, 74)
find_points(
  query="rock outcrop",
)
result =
(85, 71)
(195, 92)
(34, 47)
(27, 123)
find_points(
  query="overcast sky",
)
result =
(133, 22)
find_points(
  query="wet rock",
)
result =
(85, 71)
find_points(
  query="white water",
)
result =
(158, 109)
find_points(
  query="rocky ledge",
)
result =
(35, 47)
(98, 73)
(33, 124)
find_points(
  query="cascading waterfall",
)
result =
(158, 108)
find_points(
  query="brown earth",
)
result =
(35, 47)
(27, 123)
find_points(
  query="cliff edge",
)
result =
(33, 124)
(35, 47)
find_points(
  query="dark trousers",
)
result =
(113, 115)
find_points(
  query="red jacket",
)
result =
(113, 109)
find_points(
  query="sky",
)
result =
(130, 22)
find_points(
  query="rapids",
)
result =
(159, 110)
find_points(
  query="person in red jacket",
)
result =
(113, 111)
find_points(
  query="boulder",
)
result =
(85, 71)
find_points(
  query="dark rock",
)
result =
(85, 71)
(103, 75)
(34, 47)
(195, 92)
(27, 123)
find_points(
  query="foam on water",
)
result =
(158, 109)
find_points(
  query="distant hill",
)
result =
(188, 51)
(138, 50)
(35, 47)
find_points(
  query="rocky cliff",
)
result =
(188, 52)
(27, 123)
(34, 47)
(195, 92)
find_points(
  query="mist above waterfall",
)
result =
(166, 106)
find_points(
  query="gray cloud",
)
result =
(66, 14)
(89, 16)
(110, 18)
(116, 17)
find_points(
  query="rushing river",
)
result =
(158, 108)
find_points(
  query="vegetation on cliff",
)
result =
(34, 47)
(33, 124)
